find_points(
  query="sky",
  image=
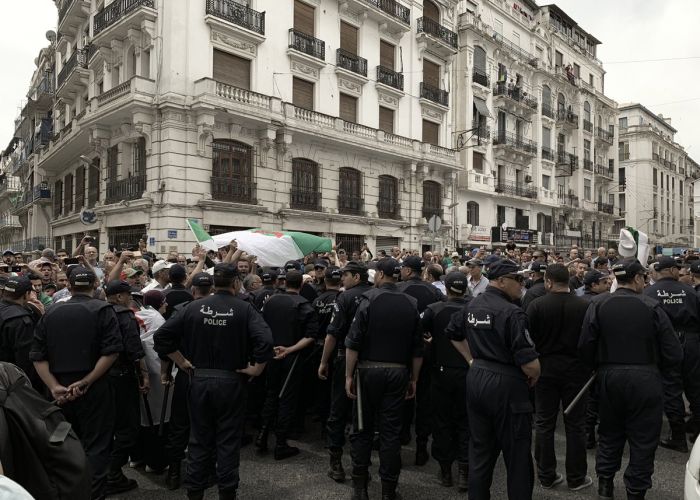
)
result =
(630, 30)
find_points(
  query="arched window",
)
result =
(232, 172)
(479, 60)
(350, 188)
(305, 193)
(546, 95)
(130, 66)
(473, 213)
(561, 106)
(432, 199)
(431, 11)
(587, 111)
(388, 205)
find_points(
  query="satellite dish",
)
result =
(51, 36)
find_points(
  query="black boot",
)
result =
(636, 494)
(195, 495)
(605, 488)
(676, 440)
(229, 494)
(421, 453)
(445, 474)
(389, 490)
(117, 482)
(172, 480)
(261, 439)
(283, 450)
(336, 472)
(359, 486)
(462, 477)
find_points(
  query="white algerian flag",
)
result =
(201, 235)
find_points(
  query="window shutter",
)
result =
(68, 198)
(431, 132)
(431, 73)
(304, 17)
(478, 162)
(79, 188)
(348, 37)
(431, 11)
(387, 54)
(348, 108)
(231, 70)
(386, 120)
(303, 94)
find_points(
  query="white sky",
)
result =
(631, 30)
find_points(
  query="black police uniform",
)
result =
(448, 386)
(125, 387)
(425, 294)
(176, 294)
(291, 317)
(387, 336)
(261, 296)
(16, 335)
(341, 407)
(72, 336)
(324, 306)
(216, 334)
(682, 305)
(496, 330)
(630, 338)
(536, 290)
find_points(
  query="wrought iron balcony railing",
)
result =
(304, 199)
(389, 77)
(515, 189)
(431, 27)
(434, 94)
(237, 13)
(351, 62)
(547, 110)
(508, 139)
(351, 205)
(481, 78)
(515, 93)
(115, 12)
(547, 154)
(588, 164)
(394, 9)
(567, 117)
(77, 59)
(131, 188)
(428, 212)
(607, 208)
(388, 209)
(587, 125)
(307, 44)
(236, 189)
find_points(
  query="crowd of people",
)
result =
(158, 363)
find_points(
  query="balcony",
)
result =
(131, 188)
(392, 17)
(388, 209)
(514, 50)
(31, 244)
(436, 38)
(9, 222)
(468, 20)
(606, 208)
(516, 142)
(566, 162)
(605, 172)
(351, 205)
(623, 156)
(234, 189)
(587, 126)
(481, 78)
(567, 119)
(510, 188)
(481, 131)
(547, 154)
(604, 135)
(305, 199)
(119, 17)
(434, 94)
(238, 15)
(71, 14)
(44, 93)
(428, 212)
(38, 194)
(588, 164)
(516, 99)
(73, 74)
(351, 62)
(570, 200)
(547, 111)
(390, 78)
(306, 44)
(9, 185)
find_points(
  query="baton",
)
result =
(149, 416)
(289, 376)
(579, 395)
(360, 416)
(164, 407)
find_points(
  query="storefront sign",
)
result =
(522, 236)
(479, 233)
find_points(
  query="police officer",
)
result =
(425, 294)
(494, 330)
(695, 271)
(269, 281)
(211, 339)
(386, 345)
(75, 344)
(354, 279)
(177, 293)
(17, 327)
(682, 305)
(448, 384)
(630, 339)
(595, 283)
(537, 288)
(294, 326)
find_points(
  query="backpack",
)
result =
(38, 448)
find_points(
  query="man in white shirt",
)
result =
(477, 283)
(161, 276)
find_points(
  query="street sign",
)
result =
(435, 223)
(172, 234)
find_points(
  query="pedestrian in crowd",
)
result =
(477, 281)
(177, 293)
(537, 287)
(434, 274)
(386, 346)
(595, 283)
(555, 321)
(161, 276)
(695, 271)
(8, 257)
(576, 281)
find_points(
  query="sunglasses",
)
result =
(514, 277)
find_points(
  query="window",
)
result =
(501, 124)
(388, 204)
(478, 162)
(546, 138)
(432, 199)
(558, 59)
(305, 193)
(112, 163)
(561, 105)
(431, 73)
(587, 189)
(139, 157)
(662, 181)
(348, 37)
(623, 122)
(58, 198)
(546, 95)
(386, 120)
(68, 195)
(621, 176)
(232, 172)
(431, 11)
(348, 108)
(479, 60)
(587, 111)
(473, 213)
(304, 17)
(590, 80)
(502, 73)
(624, 150)
(500, 215)
(498, 25)
(431, 132)
(79, 188)
(577, 70)
(516, 39)
(586, 149)
(546, 182)
(387, 54)
(303, 94)
(231, 70)
(94, 183)
(522, 221)
(350, 187)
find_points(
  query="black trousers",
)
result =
(217, 414)
(501, 423)
(421, 405)
(92, 417)
(279, 412)
(341, 406)
(691, 372)
(592, 409)
(450, 419)
(127, 418)
(631, 409)
(383, 395)
(179, 424)
(553, 393)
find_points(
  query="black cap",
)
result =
(321, 263)
(354, 267)
(178, 272)
(333, 273)
(225, 270)
(600, 261)
(474, 263)
(491, 259)
(538, 267)
(50, 286)
(269, 275)
(413, 262)
(593, 276)
(202, 279)
(456, 282)
(502, 267)
(18, 284)
(665, 262)
(390, 267)
(117, 286)
(292, 265)
(8, 252)
(81, 276)
(627, 267)
(695, 267)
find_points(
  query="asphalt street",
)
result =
(304, 477)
